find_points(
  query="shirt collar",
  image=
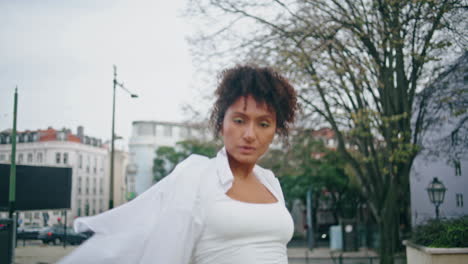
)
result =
(224, 172)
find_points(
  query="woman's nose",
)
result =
(249, 132)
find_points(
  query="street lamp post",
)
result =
(436, 191)
(132, 95)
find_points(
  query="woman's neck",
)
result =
(240, 170)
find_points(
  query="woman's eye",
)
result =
(265, 124)
(238, 120)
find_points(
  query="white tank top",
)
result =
(237, 232)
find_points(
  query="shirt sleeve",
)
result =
(159, 226)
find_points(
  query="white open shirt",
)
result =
(162, 225)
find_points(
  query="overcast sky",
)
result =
(60, 55)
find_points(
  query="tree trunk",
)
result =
(388, 227)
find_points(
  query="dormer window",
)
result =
(61, 135)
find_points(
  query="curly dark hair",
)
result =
(265, 85)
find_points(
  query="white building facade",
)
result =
(444, 146)
(147, 137)
(87, 157)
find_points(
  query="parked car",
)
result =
(30, 232)
(56, 235)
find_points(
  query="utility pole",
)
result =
(12, 191)
(111, 185)
(111, 188)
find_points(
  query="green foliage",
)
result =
(168, 157)
(308, 165)
(442, 234)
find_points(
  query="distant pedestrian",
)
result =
(221, 210)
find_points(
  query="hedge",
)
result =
(448, 233)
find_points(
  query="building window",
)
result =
(79, 185)
(101, 184)
(87, 185)
(457, 168)
(95, 165)
(459, 198)
(168, 131)
(2, 157)
(30, 158)
(87, 208)
(65, 158)
(57, 157)
(94, 185)
(39, 157)
(88, 161)
(20, 158)
(80, 161)
(94, 206)
(78, 204)
(146, 129)
(61, 136)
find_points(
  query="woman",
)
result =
(221, 210)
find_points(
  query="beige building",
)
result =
(88, 158)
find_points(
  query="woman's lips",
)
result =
(247, 149)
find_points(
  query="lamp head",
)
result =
(436, 191)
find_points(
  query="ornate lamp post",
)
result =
(436, 191)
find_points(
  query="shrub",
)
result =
(442, 233)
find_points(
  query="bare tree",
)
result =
(358, 65)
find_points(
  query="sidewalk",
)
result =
(302, 252)
(40, 254)
(48, 254)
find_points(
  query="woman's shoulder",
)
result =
(193, 160)
(191, 168)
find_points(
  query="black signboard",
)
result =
(37, 187)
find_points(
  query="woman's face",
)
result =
(248, 129)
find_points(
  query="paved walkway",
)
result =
(41, 254)
(47, 254)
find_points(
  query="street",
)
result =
(34, 252)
